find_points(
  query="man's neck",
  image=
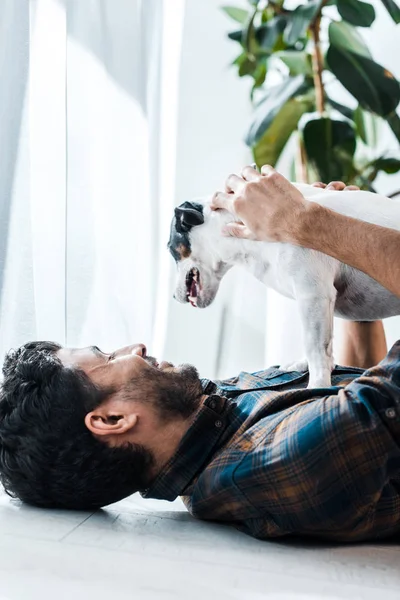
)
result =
(168, 439)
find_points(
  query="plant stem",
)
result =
(301, 162)
(278, 8)
(318, 65)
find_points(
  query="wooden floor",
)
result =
(155, 550)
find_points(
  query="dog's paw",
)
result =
(300, 365)
(323, 381)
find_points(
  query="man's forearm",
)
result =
(370, 248)
(364, 344)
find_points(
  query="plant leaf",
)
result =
(259, 76)
(389, 165)
(394, 123)
(247, 65)
(267, 110)
(237, 14)
(236, 36)
(343, 35)
(269, 148)
(300, 20)
(393, 9)
(372, 124)
(298, 62)
(344, 110)
(360, 14)
(330, 146)
(249, 35)
(375, 88)
(368, 126)
(358, 118)
(267, 35)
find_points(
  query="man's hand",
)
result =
(270, 208)
(267, 206)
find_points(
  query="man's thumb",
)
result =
(237, 230)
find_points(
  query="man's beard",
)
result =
(174, 393)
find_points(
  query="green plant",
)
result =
(306, 50)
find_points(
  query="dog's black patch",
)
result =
(187, 215)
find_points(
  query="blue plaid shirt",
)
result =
(274, 458)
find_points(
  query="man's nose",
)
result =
(138, 349)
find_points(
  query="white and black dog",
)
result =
(321, 285)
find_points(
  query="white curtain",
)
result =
(87, 167)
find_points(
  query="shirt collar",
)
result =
(195, 449)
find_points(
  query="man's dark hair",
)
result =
(48, 457)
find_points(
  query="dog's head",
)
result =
(195, 244)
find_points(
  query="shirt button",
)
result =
(390, 413)
(218, 424)
(212, 404)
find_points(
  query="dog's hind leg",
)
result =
(316, 308)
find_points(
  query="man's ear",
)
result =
(104, 421)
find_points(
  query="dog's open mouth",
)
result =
(193, 286)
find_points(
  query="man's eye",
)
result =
(96, 350)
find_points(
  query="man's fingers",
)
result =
(221, 200)
(267, 170)
(251, 174)
(234, 183)
(338, 186)
(335, 185)
(238, 230)
(352, 188)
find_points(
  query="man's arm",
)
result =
(270, 208)
(363, 344)
(370, 248)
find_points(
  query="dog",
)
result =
(321, 285)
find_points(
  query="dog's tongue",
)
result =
(193, 295)
(192, 292)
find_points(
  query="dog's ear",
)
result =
(188, 215)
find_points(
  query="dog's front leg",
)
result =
(316, 313)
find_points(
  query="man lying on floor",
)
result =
(81, 429)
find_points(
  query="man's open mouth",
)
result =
(162, 366)
(193, 286)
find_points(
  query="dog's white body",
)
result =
(322, 286)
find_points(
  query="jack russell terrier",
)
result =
(321, 285)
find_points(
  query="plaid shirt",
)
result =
(274, 458)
